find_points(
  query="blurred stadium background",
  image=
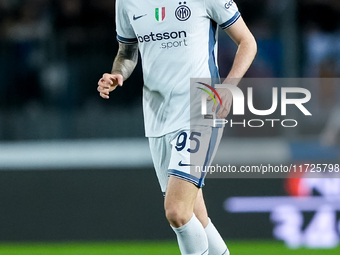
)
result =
(76, 168)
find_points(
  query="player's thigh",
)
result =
(180, 197)
(192, 149)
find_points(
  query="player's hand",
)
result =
(227, 99)
(108, 83)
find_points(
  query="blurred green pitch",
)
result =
(149, 248)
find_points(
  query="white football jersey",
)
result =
(177, 41)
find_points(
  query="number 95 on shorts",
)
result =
(193, 150)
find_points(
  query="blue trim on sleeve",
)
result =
(127, 40)
(230, 22)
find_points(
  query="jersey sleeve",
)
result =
(224, 13)
(125, 32)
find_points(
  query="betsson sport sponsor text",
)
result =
(174, 39)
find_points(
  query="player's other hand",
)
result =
(108, 83)
(227, 99)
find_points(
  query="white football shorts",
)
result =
(184, 153)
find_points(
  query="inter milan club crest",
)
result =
(183, 12)
(160, 14)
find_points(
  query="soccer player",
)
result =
(177, 41)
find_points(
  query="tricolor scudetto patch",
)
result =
(160, 14)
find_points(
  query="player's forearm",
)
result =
(126, 60)
(245, 55)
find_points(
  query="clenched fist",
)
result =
(108, 83)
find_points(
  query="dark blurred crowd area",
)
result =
(49, 47)
(52, 52)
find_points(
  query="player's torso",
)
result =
(166, 24)
(173, 38)
(177, 42)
